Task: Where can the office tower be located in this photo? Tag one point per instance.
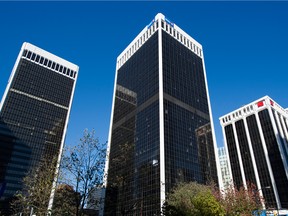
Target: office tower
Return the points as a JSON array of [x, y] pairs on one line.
[[34, 113], [161, 130], [224, 166], [256, 137]]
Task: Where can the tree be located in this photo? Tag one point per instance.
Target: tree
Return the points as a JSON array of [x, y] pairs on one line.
[[240, 201], [192, 199], [65, 201], [37, 186], [85, 165]]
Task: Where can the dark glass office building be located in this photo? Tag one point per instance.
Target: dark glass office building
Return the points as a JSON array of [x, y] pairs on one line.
[[256, 137], [34, 114], [161, 131]]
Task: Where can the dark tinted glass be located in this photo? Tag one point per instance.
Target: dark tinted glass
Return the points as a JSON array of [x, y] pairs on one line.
[[262, 168], [233, 155], [274, 157], [245, 152], [136, 123], [34, 113], [189, 149]]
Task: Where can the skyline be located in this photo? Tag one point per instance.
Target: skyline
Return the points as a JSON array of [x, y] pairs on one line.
[[242, 41]]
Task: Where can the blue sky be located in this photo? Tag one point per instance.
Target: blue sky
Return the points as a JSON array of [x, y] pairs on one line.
[[245, 47]]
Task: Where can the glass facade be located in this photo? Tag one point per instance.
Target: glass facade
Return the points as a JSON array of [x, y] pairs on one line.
[[34, 112], [133, 185], [274, 155], [189, 148], [245, 152], [233, 155], [261, 130], [261, 163]]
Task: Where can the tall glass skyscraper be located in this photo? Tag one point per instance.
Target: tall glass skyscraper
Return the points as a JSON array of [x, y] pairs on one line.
[[256, 139], [161, 130], [34, 114]]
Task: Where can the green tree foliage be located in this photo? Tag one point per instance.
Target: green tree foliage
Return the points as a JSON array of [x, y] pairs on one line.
[[84, 167], [65, 201], [192, 199], [37, 188]]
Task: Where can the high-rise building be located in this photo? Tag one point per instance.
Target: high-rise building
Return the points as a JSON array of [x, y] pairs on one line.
[[256, 137], [224, 166], [161, 130], [34, 114]]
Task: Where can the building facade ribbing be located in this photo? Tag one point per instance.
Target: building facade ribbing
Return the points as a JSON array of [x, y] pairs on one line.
[[256, 137], [161, 121], [34, 113], [224, 166]]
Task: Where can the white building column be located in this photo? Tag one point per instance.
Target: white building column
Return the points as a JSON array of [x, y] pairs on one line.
[[283, 121], [161, 114]]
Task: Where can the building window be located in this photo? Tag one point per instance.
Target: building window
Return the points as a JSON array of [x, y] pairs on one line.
[[33, 56], [29, 55], [24, 53], [37, 58]]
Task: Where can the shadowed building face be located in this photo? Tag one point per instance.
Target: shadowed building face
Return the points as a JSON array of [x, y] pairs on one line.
[[35, 110]]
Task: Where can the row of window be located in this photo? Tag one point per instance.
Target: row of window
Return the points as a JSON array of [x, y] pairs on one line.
[[141, 40], [181, 38], [150, 30], [42, 82], [48, 63], [238, 114]]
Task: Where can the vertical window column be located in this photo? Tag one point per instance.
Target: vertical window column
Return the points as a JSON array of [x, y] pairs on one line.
[[283, 121], [239, 155], [279, 137], [227, 156], [285, 135], [253, 160], [267, 160]]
